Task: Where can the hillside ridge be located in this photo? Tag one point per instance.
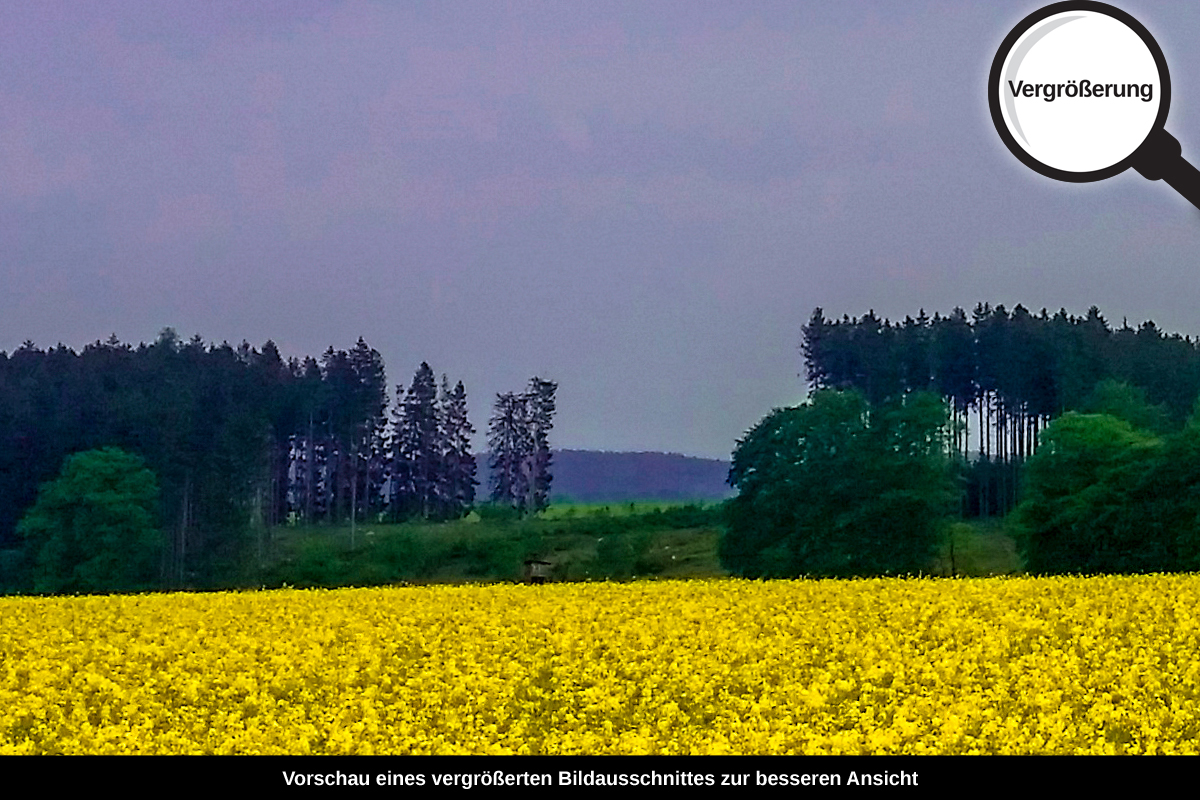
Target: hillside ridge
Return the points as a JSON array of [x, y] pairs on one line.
[[601, 476]]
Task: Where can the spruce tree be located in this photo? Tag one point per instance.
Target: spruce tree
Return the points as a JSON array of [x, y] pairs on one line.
[[540, 402], [398, 477], [458, 481], [370, 413], [816, 349], [418, 450], [509, 445], [518, 438]]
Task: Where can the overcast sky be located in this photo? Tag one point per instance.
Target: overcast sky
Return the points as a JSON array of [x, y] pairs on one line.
[[643, 201]]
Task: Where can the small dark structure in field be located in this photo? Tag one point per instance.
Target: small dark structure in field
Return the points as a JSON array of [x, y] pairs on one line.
[[537, 571]]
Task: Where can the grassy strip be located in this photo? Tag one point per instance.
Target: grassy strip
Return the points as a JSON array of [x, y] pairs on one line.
[[593, 543], [580, 542]]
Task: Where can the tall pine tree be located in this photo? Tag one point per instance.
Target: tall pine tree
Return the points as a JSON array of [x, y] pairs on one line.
[[417, 460], [518, 438], [540, 402], [508, 446], [457, 491], [370, 412]]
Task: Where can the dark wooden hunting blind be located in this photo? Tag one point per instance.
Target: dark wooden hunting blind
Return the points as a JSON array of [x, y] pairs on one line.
[[536, 570]]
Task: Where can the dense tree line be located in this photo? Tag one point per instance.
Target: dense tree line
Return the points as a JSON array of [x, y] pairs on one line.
[[238, 440], [519, 445], [1004, 374], [1102, 426], [841, 487], [205, 419], [431, 473]]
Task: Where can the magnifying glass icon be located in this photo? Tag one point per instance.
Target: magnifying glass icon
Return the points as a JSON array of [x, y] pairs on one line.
[[1079, 92]]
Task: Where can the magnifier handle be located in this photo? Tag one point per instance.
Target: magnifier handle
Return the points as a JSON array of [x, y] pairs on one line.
[[1161, 158]]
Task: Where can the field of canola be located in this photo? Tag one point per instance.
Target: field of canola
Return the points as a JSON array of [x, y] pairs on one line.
[[1019, 665]]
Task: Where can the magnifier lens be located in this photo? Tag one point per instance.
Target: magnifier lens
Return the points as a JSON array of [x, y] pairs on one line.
[[1079, 91]]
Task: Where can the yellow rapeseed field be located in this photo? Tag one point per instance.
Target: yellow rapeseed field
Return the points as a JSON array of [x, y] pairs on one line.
[[1022, 665]]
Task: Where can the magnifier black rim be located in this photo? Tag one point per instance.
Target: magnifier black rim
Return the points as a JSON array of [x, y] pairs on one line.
[[1011, 40]]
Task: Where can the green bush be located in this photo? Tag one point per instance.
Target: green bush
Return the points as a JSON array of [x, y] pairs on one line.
[[95, 528], [498, 558], [621, 556], [323, 560], [14, 577], [408, 556], [1104, 496], [491, 512], [318, 563], [1094, 500], [685, 516]]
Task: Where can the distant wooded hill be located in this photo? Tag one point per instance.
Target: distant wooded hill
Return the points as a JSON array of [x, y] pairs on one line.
[[588, 476]]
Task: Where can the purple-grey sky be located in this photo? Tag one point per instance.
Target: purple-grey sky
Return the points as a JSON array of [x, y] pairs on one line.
[[640, 200]]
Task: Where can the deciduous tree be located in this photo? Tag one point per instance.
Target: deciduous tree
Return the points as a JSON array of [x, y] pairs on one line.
[[94, 528], [837, 487]]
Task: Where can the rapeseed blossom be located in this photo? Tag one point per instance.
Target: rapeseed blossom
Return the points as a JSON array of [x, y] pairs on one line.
[[1017, 665]]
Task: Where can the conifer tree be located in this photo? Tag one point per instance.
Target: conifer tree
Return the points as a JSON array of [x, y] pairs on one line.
[[458, 481], [370, 413], [540, 401], [417, 448], [508, 446], [816, 349], [307, 452], [518, 438]]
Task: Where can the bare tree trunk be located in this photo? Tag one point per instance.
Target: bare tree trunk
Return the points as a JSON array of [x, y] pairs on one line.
[[354, 499], [260, 522], [310, 468], [184, 523]]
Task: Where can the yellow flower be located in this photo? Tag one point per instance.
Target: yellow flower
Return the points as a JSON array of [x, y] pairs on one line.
[[1055, 665]]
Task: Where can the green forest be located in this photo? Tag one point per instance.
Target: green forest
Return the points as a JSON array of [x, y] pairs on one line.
[[186, 465], [1085, 437], [177, 464]]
